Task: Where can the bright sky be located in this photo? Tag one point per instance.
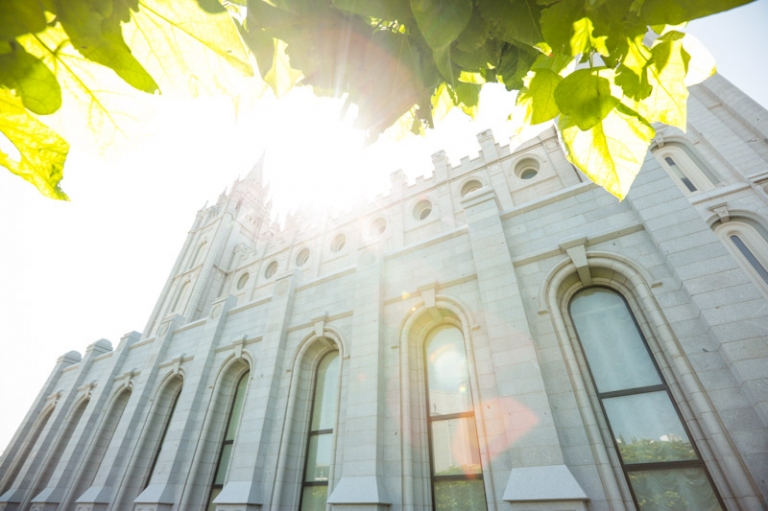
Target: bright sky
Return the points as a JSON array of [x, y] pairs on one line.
[[73, 273]]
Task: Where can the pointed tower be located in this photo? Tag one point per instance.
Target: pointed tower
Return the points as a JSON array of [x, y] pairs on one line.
[[239, 218]]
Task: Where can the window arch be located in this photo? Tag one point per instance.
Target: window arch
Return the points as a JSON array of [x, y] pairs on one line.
[[318, 458], [104, 437], [197, 258], [662, 466], [689, 171], [177, 301], [748, 243], [25, 451], [60, 447], [161, 421], [454, 452]]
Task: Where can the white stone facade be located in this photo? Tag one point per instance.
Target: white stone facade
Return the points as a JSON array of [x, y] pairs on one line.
[[499, 249]]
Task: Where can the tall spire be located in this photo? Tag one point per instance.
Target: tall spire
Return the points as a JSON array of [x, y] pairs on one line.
[[257, 172]]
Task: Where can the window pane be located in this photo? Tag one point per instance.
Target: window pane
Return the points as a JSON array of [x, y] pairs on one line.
[[614, 347], [448, 379], [750, 257], [454, 447], [681, 489], [326, 392], [318, 458], [648, 429], [313, 498], [221, 471], [237, 407], [459, 496], [214, 493]]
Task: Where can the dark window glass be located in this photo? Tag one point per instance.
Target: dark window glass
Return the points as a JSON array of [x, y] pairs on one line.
[[659, 459], [227, 444], [167, 423], [750, 257]]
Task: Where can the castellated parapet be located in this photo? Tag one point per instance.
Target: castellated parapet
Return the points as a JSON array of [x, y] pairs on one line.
[[502, 334]]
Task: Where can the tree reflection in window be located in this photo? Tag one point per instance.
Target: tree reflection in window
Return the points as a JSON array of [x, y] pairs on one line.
[[457, 474], [319, 447], [659, 459]]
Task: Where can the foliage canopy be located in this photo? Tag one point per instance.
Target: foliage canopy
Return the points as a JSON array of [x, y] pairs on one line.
[[606, 69]]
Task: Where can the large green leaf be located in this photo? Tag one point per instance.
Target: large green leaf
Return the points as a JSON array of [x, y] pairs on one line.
[[610, 153], [97, 34], [391, 10], [538, 97], [164, 36], [514, 20], [42, 150], [441, 21], [19, 17], [666, 71], [585, 97], [31, 79]]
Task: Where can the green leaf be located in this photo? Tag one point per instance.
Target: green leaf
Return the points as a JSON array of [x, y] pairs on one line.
[[99, 37], [441, 21], [632, 73], [664, 12], [263, 47], [610, 153], [514, 65], [468, 95], [539, 97], [514, 20], [31, 79], [19, 17], [666, 71], [390, 10], [281, 77], [584, 41], [42, 150], [557, 24], [585, 97], [442, 102]]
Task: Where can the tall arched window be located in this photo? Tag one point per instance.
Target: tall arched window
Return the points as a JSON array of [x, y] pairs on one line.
[[228, 442], [177, 302], [662, 465], [689, 172], [29, 443], [318, 459], [197, 259], [61, 445], [164, 411], [457, 474], [749, 246], [99, 449]]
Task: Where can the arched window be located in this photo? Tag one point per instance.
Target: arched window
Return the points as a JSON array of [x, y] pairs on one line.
[[29, 443], [228, 442], [319, 454], [689, 172], [99, 449], [457, 474], [177, 302], [197, 258], [61, 445], [662, 465], [164, 412], [749, 246]]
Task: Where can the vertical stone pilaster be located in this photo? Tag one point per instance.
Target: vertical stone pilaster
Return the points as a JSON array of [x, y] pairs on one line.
[[361, 487], [514, 405], [251, 477]]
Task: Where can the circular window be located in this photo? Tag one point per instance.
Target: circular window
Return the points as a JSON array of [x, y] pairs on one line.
[[470, 186], [338, 243], [378, 227], [302, 257], [242, 281], [527, 168], [271, 270], [422, 210]]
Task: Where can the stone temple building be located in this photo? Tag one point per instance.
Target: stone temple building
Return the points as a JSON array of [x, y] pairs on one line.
[[502, 335]]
